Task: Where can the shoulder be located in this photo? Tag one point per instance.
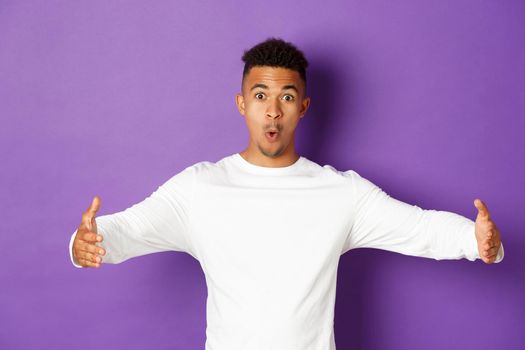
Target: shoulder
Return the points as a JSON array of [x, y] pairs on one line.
[[330, 170], [351, 177], [206, 171]]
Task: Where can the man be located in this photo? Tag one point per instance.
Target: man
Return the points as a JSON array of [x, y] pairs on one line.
[[268, 226]]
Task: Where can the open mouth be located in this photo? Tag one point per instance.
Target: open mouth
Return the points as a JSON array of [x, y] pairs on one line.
[[271, 135]]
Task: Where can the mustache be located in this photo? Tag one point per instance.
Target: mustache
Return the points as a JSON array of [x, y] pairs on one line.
[[277, 127]]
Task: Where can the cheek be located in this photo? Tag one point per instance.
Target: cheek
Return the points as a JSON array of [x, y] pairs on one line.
[[254, 114], [292, 109], [254, 109], [252, 124]]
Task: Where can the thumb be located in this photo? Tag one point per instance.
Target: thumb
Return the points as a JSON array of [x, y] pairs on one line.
[[95, 206], [91, 212], [483, 211]]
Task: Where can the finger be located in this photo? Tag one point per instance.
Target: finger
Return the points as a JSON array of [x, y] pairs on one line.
[[91, 248], [483, 211], [95, 206], [487, 244], [489, 253], [89, 215], [90, 257], [491, 228], [91, 237], [491, 258], [494, 237], [84, 257], [490, 239], [493, 251], [87, 263]]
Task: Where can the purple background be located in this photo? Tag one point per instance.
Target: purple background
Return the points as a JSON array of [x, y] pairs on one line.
[[424, 98]]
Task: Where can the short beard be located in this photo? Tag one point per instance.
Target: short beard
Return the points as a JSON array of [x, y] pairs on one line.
[[273, 154]]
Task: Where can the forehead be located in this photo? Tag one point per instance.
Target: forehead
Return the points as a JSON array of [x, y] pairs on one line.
[[273, 77]]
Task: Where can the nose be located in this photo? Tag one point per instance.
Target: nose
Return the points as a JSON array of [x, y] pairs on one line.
[[274, 109]]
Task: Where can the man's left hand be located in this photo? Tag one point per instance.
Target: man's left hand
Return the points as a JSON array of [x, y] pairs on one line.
[[487, 234]]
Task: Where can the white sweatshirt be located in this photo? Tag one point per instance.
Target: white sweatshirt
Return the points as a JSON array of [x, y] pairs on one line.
[[269, 242]]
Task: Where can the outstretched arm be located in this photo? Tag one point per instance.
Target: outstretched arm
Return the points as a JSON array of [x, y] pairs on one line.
[[158, 223], [383, 222]]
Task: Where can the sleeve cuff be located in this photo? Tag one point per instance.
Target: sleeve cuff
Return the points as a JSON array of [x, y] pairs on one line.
[[73, 261], [500, 255], [473, 252]]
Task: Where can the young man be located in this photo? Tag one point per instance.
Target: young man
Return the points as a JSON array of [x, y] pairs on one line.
[[268, 226]]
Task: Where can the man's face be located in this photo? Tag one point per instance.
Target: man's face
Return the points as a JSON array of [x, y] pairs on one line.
[[272, 102]]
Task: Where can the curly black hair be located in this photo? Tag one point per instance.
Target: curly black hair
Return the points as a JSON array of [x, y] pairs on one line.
[[275, 52]]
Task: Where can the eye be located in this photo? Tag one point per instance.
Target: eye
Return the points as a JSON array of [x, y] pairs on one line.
[[288, 97], [259, 94]]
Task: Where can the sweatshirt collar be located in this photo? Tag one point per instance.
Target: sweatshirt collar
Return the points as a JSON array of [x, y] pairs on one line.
[[257, 169]]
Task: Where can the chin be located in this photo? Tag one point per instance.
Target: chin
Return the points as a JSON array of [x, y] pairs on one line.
[[272, 153]]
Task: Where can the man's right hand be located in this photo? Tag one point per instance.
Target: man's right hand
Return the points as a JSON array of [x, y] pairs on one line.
[[85, 250]]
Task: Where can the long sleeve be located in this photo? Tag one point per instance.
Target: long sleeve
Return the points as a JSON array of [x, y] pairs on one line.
[[383, 222], [73, 260], [158, 223]]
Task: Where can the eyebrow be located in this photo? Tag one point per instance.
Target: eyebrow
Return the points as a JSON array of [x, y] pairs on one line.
[[264, 86]]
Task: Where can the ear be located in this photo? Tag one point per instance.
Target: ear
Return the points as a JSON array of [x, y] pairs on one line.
[[239, 100], [305, 105]]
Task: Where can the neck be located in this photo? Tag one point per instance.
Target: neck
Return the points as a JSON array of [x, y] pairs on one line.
[[260, 159]]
